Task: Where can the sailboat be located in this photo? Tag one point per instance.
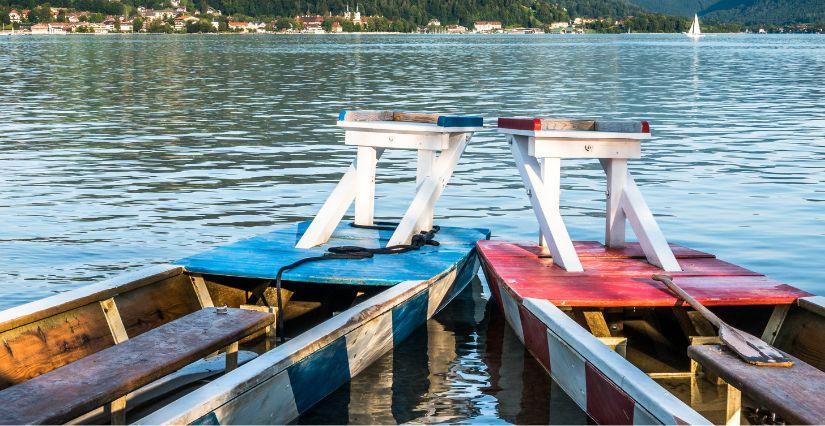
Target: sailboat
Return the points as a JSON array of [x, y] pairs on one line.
[[694, 32]]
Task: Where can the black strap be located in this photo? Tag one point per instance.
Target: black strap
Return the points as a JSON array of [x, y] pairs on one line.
[[340, 252]]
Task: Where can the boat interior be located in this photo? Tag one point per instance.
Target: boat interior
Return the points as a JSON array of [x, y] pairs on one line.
[[134, 313], [656, 340]]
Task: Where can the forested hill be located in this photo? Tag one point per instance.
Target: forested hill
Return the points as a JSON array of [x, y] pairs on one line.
[[525, 13], [751, 12]]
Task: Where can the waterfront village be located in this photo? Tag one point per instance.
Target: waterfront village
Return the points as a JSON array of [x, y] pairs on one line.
[[178, 19]]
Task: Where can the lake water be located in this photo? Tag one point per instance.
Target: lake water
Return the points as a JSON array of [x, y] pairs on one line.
[[121, 151]]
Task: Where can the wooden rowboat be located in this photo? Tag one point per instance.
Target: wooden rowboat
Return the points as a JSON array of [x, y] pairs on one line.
[[621, 345], [185, 343]]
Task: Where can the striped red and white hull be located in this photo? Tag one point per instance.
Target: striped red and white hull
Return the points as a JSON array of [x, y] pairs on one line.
[[601, 382]]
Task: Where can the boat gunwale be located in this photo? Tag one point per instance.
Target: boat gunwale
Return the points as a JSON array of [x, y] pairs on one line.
[[40, 309], [268, 365]]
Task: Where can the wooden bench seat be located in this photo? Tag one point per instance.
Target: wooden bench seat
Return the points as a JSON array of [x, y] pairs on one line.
[[88, 383], [795, 392]]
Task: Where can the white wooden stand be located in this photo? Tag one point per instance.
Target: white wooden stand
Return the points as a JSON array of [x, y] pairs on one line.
[[538, 155], [358, 183]]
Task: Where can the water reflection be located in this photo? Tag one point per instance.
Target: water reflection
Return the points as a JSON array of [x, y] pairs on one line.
[[465, 366]]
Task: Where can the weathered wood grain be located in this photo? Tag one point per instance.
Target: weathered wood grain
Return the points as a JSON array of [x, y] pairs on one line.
[[145, 308], [69, 391], [795, 393], [415, 117], [42, 346]]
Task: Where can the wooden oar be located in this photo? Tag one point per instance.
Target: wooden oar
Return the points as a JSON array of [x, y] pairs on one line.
[[749, 347]]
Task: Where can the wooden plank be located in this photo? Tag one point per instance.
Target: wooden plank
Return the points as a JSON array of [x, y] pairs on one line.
[[647, 231], [232, 356], [614, 230], [587, 148], [365, 116], [430, 189], [145, 308], [116, 411], [618, 344], [333, 209], [595, 322], [620, 282], [66, 301], [365, 185], [201, 291], [415, 117], [795, 393], [775, 323], [733, 407], [114, 321], [815, 304], [802, 335], [392, 139], [550, 220], [69, 391], [33, 349]]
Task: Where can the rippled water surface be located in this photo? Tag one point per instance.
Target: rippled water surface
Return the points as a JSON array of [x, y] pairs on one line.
[[122, 151]]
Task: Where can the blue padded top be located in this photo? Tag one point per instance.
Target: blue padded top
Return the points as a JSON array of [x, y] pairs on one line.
[[263, 255]]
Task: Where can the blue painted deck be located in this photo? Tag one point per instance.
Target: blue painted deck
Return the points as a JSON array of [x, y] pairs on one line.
[[263, 255]]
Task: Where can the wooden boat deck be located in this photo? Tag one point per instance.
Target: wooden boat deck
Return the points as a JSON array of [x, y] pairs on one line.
[[622, 278], [261, 257]]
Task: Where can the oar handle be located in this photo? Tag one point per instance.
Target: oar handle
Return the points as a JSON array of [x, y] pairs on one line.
[[710, 316]]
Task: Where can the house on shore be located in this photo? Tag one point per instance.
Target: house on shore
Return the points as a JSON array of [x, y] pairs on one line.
[[487, 26]]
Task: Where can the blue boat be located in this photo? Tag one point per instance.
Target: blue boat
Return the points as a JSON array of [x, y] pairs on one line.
[[272, 324]]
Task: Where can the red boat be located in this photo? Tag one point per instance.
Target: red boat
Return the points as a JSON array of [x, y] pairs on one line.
[[623, 345]]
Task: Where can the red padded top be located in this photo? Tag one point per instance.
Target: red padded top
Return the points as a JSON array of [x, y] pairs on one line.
[[619, 278]]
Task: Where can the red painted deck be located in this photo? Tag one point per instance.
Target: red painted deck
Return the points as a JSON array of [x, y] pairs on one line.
[[616, 278]]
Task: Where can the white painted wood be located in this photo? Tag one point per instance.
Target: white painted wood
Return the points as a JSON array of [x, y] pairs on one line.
[[589, 148], [815, 304], [653, 242], [368, 343], [430, 189], [438, 291], [365, 185], [271, 402], [548, 216], [42, 308], [574, 134], [661, 404], [642, 416], [403, 127], [780, 312], [511, 313], [429, 141], [551, 178], [615, 219], [567, 369], [333, 210], [114, 320], [425, 167], [201, 292]]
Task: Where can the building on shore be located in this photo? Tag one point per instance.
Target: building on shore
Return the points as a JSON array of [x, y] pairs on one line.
[[56, 28], [15, 16], [336, 27], [313, 24], [487, 26], [456, 29], [355, 17]]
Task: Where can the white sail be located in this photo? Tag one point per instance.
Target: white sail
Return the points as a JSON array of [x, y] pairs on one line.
[[694, 30]]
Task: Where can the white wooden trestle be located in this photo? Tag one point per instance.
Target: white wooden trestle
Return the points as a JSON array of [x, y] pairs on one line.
[[538, 155], [358, 184]]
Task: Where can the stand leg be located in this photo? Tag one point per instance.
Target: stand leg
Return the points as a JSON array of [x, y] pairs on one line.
[[425, 169], [547, 214], [430, 189], [551, 178], [365, 184], [333, 209], [614, 231]]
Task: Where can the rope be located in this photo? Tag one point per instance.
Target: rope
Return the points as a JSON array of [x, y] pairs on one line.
[[424, 238]]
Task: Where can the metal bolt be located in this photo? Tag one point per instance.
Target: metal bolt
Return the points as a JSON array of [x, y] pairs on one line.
[[588, 148], [223, 310]]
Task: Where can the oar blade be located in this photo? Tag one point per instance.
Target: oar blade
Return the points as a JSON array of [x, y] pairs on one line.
[[752, 349]]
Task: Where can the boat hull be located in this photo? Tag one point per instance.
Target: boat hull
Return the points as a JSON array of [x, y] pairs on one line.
[[279, 385]]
